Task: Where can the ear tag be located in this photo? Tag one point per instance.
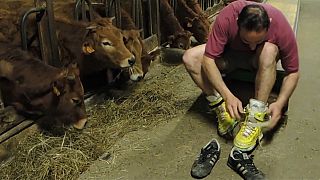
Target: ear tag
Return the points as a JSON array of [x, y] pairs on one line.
[[56, 91], [87, 49]]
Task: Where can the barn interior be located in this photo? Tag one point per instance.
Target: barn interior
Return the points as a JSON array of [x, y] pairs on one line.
[[132, 124]]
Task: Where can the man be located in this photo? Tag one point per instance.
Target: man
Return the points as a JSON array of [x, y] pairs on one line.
[[252, 36]]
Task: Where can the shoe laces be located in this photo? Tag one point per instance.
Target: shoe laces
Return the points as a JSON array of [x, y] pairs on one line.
[[247, 130], [204, 155], [249, 165]]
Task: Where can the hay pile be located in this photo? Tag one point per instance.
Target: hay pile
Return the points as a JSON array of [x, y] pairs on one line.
[[45, 157]]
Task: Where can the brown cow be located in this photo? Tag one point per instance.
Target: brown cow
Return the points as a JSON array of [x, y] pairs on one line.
[[36, 90], [134, 44], [196, 7], [95, 46], [170, 28], [192, 21]]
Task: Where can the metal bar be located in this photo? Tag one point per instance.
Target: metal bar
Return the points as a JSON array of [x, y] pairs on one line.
[[23, 26], [110, 5], [133, 10], [118, 12], [105, 7], [157, 23], [83, 11], [90, 10], [139, 13], [52, 36], [15, 130], [76, 9], [150, 27]]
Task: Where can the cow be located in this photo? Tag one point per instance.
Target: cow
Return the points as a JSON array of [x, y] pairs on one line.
[[196, 7], [95, 46], [53, 96], [133, 42], [171, 30], [192, 22]]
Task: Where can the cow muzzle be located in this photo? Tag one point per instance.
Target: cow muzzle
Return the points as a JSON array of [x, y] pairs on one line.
[[80, 124]]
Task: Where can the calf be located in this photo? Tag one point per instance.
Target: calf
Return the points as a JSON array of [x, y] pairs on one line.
[[192, 22], [170, 28], [196, 7], [134, 44], [52, 95], [95, 46]]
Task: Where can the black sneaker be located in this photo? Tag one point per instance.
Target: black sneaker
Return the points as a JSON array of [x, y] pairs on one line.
[[243, 164], [208, 157]]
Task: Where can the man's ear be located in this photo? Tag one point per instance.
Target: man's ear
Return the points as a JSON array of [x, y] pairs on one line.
[[270, 19], [87, 47]]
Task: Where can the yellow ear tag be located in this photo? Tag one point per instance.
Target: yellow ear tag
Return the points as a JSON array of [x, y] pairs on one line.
[[87, 49], [56, 91]]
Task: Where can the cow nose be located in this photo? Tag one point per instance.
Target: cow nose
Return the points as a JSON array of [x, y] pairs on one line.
[[139, 78], [80, 124], [131, 61]]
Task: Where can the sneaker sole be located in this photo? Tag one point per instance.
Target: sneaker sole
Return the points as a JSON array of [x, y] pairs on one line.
[[252, 147]]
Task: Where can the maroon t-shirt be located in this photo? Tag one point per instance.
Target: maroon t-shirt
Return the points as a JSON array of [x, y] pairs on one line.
[[225, 34]]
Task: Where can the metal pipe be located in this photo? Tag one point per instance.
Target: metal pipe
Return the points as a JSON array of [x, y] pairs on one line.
[[23, 26], [55, 61], [15, 130], [76, 9]]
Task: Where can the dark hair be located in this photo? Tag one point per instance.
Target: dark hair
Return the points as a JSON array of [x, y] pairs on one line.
[[253, 17]]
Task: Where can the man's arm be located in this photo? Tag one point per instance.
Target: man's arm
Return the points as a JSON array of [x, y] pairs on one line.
[[289, 84], [213, 74]]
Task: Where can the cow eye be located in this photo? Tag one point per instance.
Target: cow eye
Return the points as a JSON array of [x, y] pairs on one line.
[[106, 43], [76, 101]]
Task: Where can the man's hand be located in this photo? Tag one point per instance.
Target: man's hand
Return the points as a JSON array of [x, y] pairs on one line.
[[234, 106], [275, 112]]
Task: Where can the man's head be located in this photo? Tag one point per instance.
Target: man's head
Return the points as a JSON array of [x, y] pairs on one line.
[[253, 23]]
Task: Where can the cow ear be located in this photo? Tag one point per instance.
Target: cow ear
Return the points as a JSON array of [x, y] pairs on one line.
[[125, 33], [189, 22], [74, 68], [104, 21], [189, 33], [87, 48]]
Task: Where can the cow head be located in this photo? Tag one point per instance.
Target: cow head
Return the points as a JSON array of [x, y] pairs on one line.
[[105, 42], [69, 92], [199, 28], [180, 40], [53, 96], [133, 43]]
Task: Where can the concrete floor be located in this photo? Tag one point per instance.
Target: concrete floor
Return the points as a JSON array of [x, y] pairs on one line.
[[168, 151]]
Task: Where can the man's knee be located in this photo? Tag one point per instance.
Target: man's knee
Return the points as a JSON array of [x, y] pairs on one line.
[[192, 58], [269, 55], [187, 57]]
